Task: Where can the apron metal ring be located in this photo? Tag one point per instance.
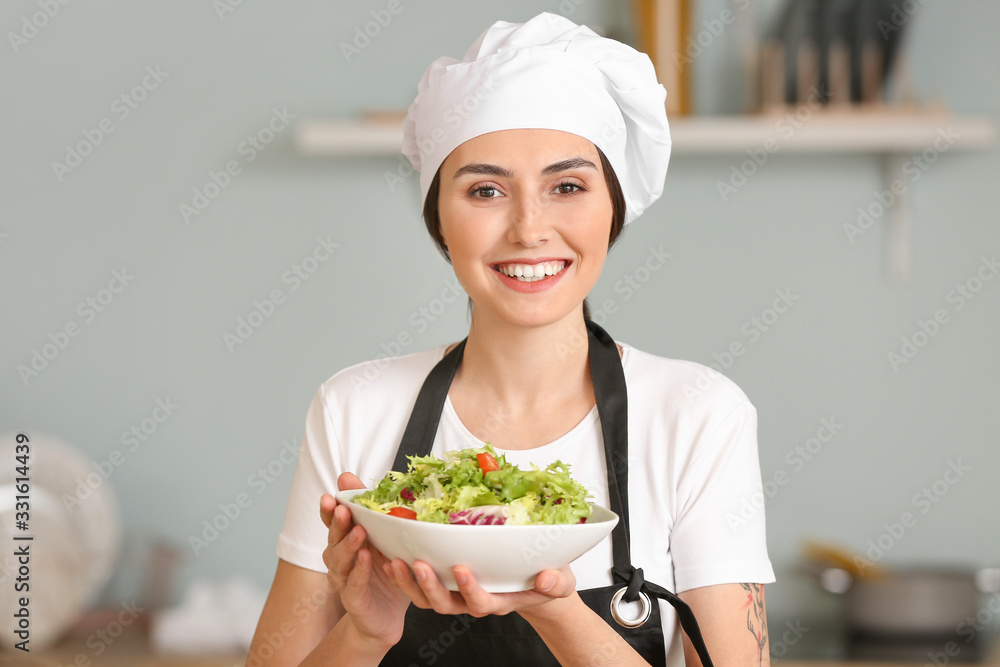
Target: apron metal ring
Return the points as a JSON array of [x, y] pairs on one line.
[[630, 623]]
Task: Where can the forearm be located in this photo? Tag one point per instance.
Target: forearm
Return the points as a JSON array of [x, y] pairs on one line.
[[344, 645], [733, 622], [578, 636]]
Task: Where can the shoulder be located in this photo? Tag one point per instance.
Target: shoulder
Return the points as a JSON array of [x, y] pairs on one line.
[[679, 386]]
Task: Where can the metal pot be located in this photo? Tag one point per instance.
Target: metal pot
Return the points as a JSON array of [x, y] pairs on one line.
[[910, 613]]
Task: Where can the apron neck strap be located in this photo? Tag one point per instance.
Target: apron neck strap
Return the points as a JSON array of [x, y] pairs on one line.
[[611, 395]]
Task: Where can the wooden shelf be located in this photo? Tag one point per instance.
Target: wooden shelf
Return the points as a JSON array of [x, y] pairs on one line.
[[809, 132]]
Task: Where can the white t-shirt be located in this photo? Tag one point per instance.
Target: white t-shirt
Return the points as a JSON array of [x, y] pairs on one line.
[[693, 468]]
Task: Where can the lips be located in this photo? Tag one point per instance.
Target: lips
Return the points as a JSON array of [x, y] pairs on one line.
[[506, 273], [528, 272]]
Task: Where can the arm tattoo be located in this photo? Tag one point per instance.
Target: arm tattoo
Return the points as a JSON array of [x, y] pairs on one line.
[[756, 620]]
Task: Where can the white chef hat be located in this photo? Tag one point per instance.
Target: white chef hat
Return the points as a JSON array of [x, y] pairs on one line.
[[547, 73]]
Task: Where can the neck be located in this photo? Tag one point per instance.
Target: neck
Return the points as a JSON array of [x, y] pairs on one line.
[[525, 369]]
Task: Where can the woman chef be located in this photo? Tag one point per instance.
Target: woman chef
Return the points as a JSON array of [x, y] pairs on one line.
[[534, 151]]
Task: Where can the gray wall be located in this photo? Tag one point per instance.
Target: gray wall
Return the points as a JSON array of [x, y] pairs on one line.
[[162, 336]]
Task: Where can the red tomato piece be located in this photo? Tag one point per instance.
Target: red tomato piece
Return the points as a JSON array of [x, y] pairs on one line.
[[403, 513], [487, 462]]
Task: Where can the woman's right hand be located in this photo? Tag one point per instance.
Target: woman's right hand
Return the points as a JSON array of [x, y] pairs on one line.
[[356, 570]]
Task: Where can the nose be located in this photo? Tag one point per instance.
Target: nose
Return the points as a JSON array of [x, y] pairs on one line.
[[527, 224]]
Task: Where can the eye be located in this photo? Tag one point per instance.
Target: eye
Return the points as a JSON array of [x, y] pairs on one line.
[[568, 188], [484, 192]]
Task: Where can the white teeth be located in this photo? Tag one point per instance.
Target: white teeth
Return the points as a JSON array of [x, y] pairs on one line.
[[532, 272]]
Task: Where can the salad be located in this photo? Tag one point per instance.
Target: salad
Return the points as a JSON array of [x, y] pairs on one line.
[[477, 487]]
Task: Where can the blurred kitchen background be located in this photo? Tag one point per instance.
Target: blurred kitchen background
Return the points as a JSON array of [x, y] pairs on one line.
[[204, 219]]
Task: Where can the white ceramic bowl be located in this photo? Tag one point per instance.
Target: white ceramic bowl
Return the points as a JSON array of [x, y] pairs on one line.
[[503, 559]]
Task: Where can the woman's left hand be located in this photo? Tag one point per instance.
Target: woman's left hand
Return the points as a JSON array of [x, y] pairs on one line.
[[429, 593]]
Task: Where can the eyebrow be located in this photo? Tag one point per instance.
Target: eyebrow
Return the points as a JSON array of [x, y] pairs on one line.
[[484, 170], [566, 165], [495, 170]]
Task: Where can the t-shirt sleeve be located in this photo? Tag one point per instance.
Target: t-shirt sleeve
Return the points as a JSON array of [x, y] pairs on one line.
[[303, 536], [719, 535]]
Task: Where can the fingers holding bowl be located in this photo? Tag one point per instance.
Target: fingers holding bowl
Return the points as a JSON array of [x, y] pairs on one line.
[[478, 601], [426, 590], [345, 540], [556, 583], [327, 504], [336, 518], [422, 584], [443, 600]]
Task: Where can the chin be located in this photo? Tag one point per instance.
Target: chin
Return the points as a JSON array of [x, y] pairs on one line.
[[532, 318]]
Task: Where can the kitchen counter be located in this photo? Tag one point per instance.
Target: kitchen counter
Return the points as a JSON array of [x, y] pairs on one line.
[[135, 652], [132, 650]]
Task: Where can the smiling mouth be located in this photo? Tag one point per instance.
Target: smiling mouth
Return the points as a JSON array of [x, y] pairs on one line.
[[527, 273]]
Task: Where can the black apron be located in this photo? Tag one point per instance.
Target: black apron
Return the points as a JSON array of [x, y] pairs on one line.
[[462, 640]]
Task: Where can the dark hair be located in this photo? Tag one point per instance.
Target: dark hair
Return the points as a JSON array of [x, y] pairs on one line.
[[433, 220]]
